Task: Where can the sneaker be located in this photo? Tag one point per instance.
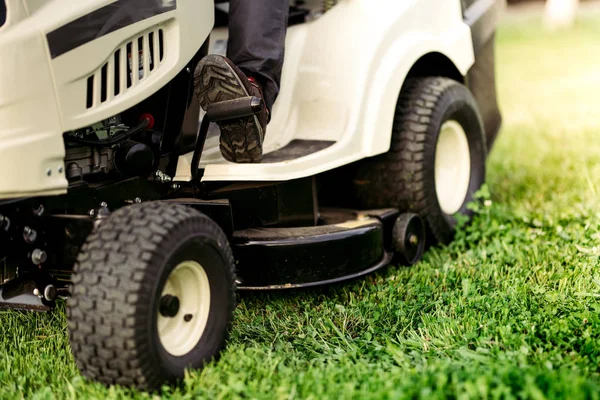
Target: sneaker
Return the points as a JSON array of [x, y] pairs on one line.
[[218, 79]]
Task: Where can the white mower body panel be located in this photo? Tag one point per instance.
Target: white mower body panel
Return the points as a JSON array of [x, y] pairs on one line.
[[46, 65], [341, 80]]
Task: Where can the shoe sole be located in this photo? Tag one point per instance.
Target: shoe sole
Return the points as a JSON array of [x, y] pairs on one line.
[[241, 139]]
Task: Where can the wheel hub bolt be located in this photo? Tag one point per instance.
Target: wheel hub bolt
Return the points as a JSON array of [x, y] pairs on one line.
[[188, 317], [169, 306], [413, 240]]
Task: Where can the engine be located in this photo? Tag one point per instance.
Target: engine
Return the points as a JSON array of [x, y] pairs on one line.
[[110, 147], [106, 151]]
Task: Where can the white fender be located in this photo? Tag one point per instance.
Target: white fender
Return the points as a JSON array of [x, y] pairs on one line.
[[341, 80], [401, 56]]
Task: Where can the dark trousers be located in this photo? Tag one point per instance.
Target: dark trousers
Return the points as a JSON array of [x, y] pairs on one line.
[[257, 30]]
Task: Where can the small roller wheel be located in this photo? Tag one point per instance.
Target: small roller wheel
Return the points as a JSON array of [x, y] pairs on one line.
[[409, 237], [153, 295]]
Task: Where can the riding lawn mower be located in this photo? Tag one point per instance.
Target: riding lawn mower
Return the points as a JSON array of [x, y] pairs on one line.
[[115, 197]]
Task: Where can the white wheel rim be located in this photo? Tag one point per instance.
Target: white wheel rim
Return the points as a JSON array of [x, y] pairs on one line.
[[452, 167], [189, 283]]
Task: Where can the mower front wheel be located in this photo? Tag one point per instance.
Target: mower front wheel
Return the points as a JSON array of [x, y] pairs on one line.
[[153, 295]]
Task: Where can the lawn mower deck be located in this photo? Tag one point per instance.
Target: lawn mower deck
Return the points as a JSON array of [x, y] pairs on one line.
[[280, 237]]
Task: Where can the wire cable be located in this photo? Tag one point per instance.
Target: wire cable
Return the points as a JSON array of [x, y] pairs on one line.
[[113, 140]]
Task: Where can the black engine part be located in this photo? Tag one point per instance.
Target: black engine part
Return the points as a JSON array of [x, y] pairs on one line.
[[134, 159]]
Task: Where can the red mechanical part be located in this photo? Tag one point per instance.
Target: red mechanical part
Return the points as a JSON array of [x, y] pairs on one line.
[[150, 119]]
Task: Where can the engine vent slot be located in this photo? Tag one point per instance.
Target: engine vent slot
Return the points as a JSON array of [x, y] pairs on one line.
[[2, 12], [152, 52], [129, 55], [130, 65], [116, 64], [90, 92], [161, 45]]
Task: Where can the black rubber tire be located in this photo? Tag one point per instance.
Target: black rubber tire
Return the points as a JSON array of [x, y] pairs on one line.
[[117, 282], [404, 177]]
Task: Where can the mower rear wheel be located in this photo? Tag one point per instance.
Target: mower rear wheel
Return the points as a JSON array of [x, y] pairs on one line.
[[436, 161], [153, 295]]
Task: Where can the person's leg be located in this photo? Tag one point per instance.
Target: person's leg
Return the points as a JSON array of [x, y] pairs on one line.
[[257, 30]]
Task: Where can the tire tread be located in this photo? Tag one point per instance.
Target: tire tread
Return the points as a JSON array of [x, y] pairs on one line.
[[111, 282], [397, 178]]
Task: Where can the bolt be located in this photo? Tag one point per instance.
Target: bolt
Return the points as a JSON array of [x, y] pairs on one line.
[[175, 186], [4, 223], [169, 306], [49, 172], [102, 212], [103, 204], [39, 211], [50, 293], [29, 234], [413, 240], [36, 292], [138, 200], [188, 317], [38, 257], [188, 70], [60, 169], [162, 177]]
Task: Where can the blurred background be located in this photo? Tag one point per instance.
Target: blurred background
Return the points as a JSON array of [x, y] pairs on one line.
[[557, 13], [547, 157]]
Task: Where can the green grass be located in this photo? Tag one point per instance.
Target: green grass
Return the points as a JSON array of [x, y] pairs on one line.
[[510, 310]]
